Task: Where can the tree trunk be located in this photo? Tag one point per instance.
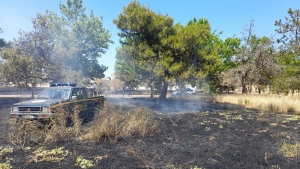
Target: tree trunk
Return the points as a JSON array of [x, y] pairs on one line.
[[151, 92], [244, 87], [164, 91]]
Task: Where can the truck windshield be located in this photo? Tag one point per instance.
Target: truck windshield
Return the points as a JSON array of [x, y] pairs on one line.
[[54, 93]]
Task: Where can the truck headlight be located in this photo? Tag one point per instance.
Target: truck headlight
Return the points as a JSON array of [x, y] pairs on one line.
[[46, 109], [14, 109]]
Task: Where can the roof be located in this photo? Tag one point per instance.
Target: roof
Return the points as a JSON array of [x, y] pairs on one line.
[[63, 84]]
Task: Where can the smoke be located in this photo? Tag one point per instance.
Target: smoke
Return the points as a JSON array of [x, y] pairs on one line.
[[169, 106]]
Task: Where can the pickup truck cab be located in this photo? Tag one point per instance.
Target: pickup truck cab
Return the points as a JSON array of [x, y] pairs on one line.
[[58, 94]]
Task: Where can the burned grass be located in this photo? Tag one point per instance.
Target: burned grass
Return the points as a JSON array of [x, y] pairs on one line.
[[147, 134]]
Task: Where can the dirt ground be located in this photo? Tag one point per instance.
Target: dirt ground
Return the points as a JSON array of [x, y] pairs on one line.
[[192, 135]]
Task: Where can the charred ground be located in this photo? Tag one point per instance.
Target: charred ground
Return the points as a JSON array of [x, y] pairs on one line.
[[193, 134]]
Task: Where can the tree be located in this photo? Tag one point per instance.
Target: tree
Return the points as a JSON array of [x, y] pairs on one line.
[[255, 61], [290, 31], [31, 57], [143, 29], [126, 68], [193, 52], [289, 52], [88, 37], [217, 76], [57, 45], [167, 52], [40, 45], [19, 69]]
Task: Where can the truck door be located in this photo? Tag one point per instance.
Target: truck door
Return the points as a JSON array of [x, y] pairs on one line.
[[78, 99]]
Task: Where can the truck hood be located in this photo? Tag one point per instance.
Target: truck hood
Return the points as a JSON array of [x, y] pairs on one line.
[[39, 102]]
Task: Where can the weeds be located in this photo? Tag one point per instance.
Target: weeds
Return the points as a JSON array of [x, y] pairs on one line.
[[23, 132], [61, 126], [3, 152], [6, 165], [289, 148], [84, 163], [117, 121], [54, 155]]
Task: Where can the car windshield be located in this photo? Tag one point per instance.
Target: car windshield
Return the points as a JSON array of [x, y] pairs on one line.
[[54, 93]]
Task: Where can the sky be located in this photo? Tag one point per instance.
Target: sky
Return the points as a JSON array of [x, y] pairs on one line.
[[228, 16]]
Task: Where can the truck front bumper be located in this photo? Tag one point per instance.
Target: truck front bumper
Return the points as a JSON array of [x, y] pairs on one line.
[[31, 115]]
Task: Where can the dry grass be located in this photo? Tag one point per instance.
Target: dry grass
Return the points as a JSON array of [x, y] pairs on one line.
[[110, 121], [121, 121], [23, 132], [265, 103]]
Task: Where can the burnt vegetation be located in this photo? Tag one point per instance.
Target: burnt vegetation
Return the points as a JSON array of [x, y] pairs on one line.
[[228, 123]]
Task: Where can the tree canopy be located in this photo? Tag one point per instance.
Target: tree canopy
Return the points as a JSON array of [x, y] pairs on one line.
[[167, 52], [288, 52], [72, 43]]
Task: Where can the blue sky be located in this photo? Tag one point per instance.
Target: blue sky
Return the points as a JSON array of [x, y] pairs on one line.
[[228, 16]]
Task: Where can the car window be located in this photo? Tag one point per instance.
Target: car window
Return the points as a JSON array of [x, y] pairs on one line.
[[83, 93], [54, 93], [78, 94]]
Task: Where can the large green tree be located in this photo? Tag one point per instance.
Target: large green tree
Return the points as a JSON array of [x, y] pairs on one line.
[[87, 36], [165, 51], [144, 30]]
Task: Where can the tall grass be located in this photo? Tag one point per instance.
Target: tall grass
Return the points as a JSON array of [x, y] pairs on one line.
[[264, 103], [120, 121], [110, 122], [23, 132]]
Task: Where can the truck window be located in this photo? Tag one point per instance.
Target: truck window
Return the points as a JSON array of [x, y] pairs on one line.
[[79, 94], [83, 93], [54, 93]]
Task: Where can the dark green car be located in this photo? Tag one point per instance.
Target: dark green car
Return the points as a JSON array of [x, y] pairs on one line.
[[57, 95]]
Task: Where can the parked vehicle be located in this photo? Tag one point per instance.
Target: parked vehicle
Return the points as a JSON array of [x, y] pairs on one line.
[[184, 92], [55, 96]]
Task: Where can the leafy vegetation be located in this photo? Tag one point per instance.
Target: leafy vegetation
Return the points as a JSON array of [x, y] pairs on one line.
[[72, 42], [155, 52]]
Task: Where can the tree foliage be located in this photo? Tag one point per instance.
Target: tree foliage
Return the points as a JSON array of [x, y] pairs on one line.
[[35, 50], [144, 30], [72, 43], [255, 61], [165, 52], [88, 37], [20, 69], [289, 52]]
